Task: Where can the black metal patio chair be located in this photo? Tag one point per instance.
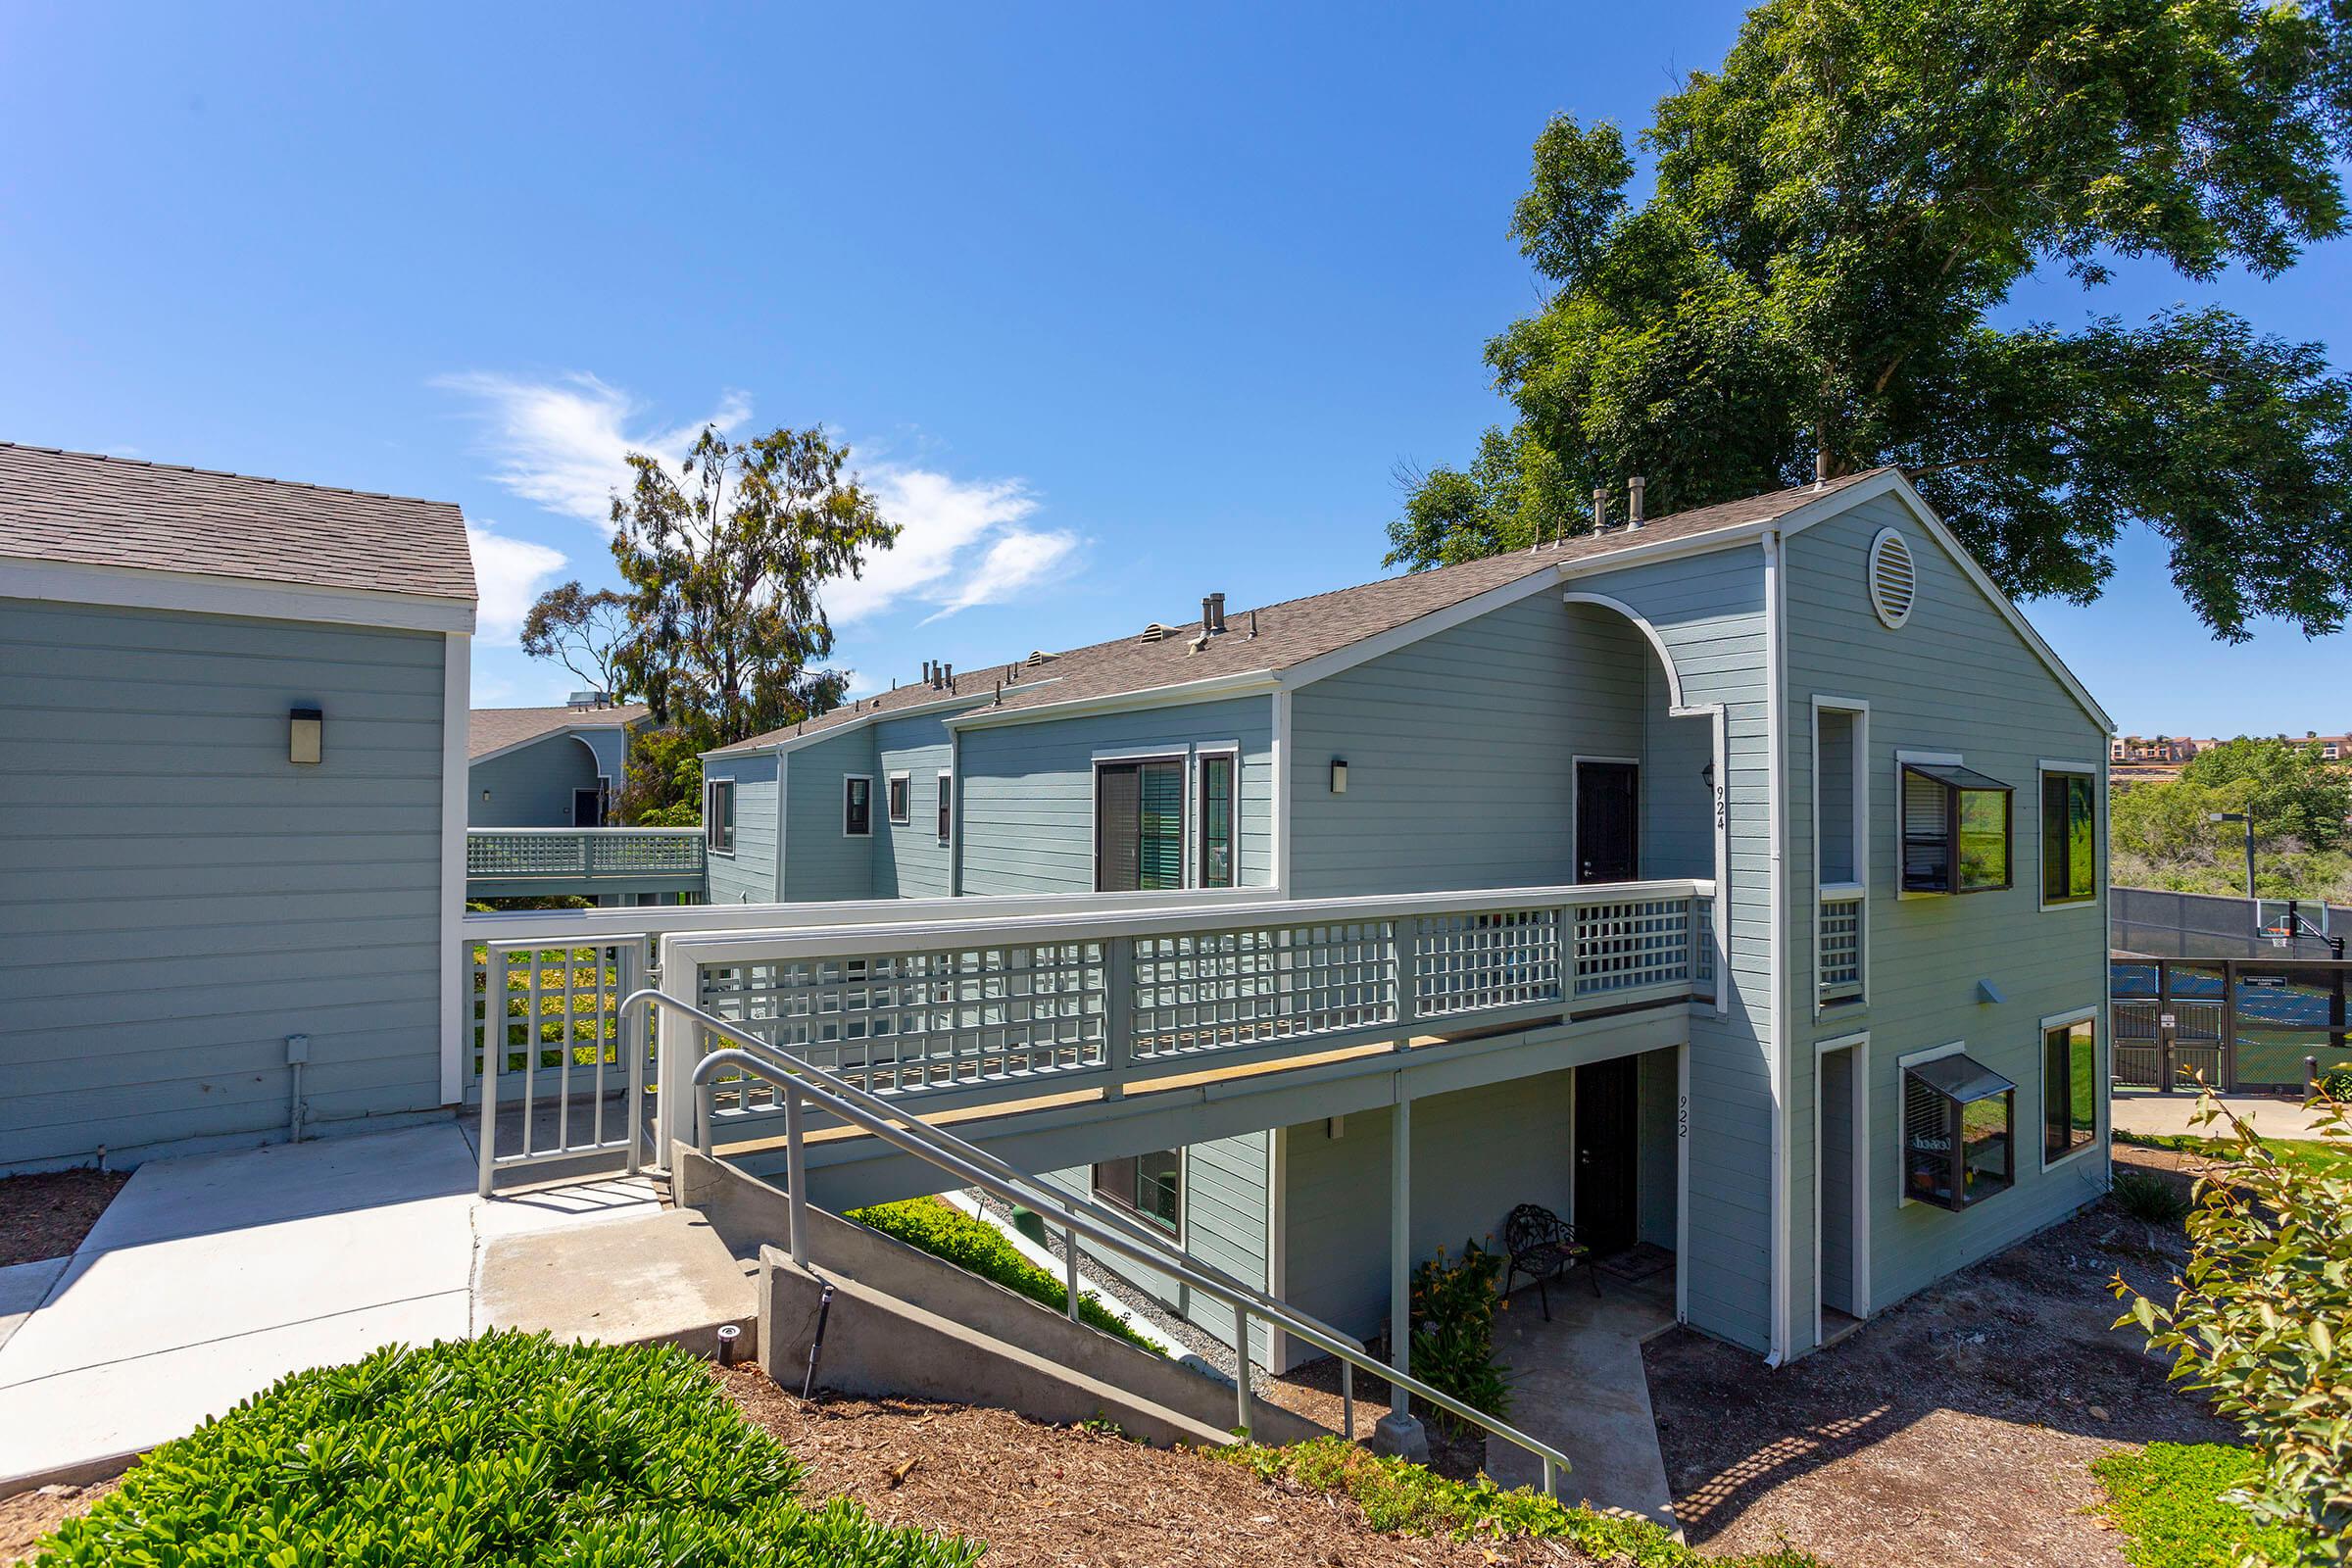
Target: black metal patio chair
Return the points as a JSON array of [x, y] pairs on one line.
[[1542, 1248]]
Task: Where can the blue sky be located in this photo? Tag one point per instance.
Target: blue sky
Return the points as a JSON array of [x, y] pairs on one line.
[[1116, 307]]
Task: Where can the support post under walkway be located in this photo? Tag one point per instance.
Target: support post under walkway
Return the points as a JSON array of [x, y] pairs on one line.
[[1398, 1432]]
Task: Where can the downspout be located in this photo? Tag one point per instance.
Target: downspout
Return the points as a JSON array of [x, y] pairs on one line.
[[1776, 1052]]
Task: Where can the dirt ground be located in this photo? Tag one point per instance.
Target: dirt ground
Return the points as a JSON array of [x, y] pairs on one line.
[[47, 1214], [30, 1515], [1958, 1427], [1055, 1495]]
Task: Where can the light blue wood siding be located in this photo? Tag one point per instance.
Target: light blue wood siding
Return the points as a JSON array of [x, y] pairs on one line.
[[176, 897], [909, 859], [1956, 678], [1225, 1209], [1028, 791], [530, 786], [611, 749], [1709, 612], [749, 875], [822, 862]]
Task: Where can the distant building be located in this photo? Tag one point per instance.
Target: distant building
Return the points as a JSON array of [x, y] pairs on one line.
[[2171, 751]]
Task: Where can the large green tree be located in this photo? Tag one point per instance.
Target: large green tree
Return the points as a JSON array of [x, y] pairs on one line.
[[1837, 213], [723, 563]]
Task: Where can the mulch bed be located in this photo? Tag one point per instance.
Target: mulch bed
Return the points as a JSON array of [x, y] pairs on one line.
[[1957, 1426], [30, 1515], [1058, 1495], [47, 1214]]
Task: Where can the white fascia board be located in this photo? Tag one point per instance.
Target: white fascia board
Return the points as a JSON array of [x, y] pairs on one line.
[[1893, 483], [793, 743], [196, 593], [1248, 683]]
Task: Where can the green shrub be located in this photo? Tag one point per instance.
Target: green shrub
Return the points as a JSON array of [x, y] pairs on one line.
[[1401, 1497], [2267, 1290], [2336, 1082], [976, 1245], [1453, 1332], [2169, 1501], [2146, 1195], [510, 1448]]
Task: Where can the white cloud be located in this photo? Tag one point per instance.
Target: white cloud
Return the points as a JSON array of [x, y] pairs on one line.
[[560, 444], [508, 574]]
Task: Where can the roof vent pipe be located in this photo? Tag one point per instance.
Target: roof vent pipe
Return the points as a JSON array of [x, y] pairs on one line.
[[1633, 501], [1209, 618], [946, 676], [1600, 510], [1216, 607]]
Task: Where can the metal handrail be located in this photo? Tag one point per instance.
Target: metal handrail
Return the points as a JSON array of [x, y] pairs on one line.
[[974, 1168]]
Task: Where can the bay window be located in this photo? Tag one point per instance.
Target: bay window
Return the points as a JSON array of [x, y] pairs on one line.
[[1956, 834], [1959, 1132]]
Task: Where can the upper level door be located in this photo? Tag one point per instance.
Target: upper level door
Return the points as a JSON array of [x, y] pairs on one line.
[[1608, 832], [587, 809]]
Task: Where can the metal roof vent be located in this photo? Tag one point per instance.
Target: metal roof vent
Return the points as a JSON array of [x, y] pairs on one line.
[[1894, 579], [1038, 655], [1156, 633]]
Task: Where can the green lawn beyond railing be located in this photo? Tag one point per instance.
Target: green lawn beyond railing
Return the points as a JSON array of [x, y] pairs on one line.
[[578, 1020]]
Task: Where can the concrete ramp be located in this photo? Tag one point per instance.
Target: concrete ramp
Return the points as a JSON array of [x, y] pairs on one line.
[[665, 1275]]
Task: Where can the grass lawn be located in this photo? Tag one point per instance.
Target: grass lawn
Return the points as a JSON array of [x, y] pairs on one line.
[[2311, 1155], [2167, 1501]]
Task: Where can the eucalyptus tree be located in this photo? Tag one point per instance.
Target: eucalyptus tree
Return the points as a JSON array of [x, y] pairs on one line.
[[1838, 214]]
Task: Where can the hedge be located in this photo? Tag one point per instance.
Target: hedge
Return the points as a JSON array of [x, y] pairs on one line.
[[507, 1449], [974, 1244]]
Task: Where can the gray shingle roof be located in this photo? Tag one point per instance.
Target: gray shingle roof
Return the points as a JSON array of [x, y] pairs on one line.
[[1297, 630], [87, 509], [494, 729]]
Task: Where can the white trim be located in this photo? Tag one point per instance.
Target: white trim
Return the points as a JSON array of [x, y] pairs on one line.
[[899, 776], [1893, 483], [847, 780], [1575, 763], [1681, 1175], [783, 809], [793, 743], [2042, 770], [710, 787], [457, 964], [205, 594], [1214, 688], [1879, 542], [2091, 1015], [1776, 1049], [945, 798], [1338, 660], [1902, 1116], [1181, 757], [1278, 1241], [1674, 678], [1858, 709], [1858, 1178], [1280, 746], [578, 732]]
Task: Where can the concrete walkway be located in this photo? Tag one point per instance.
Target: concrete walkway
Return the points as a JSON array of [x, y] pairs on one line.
[[1578, 1383], [2145, 1111], [207, 1279]]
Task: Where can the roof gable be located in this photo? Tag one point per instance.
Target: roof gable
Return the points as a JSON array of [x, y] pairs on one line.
[[494, 731]]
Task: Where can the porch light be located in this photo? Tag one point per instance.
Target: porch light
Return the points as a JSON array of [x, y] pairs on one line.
[[1339, 776], [1959, 1125], [304, 726]]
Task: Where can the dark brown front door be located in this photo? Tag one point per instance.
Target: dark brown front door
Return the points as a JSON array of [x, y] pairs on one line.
[[1608, 834], [1605, 1144]]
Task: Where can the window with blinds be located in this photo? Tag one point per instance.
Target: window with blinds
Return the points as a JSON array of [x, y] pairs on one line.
[[2070, 838], [1216, 820], [1139, 826]]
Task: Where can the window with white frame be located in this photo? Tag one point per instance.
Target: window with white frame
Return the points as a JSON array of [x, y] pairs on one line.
[[1959, 1131], [900, 799], [1218, 772], [2070, 836], [946, 804], [2070, 1088], [1149, 1187], [857, 806], [718, 815], [1956, 829], [1138, 825]]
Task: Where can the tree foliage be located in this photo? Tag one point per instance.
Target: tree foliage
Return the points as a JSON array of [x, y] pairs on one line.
[[584, 632], [723, 563], [664, 784], [2260, 1324], [1836, 212], [2292, 789]]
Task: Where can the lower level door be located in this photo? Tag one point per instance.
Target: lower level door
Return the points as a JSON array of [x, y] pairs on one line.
[[1609, 837], [587, 809], [1606, 1142]]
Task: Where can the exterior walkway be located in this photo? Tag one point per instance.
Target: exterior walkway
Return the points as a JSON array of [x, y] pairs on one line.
[[1577, 1383], [208, 1277], [2145, 1111]]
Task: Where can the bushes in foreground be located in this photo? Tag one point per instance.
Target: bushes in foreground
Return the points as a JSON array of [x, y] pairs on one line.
[[507, 1449], [1401, 1497], [976, 1245]]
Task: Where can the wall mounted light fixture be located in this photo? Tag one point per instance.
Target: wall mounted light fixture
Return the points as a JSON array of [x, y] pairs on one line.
[[1339, 776], [303, 727]]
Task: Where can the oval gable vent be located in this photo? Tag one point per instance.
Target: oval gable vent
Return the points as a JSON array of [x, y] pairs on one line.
[[1893, 580]]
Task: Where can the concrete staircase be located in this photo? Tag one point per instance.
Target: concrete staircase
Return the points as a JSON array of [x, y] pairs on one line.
[[905, 1323]]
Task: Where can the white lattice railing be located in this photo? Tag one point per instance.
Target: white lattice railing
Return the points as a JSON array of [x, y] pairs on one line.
[[1103, 994], [1838, 942], [583, 854]]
